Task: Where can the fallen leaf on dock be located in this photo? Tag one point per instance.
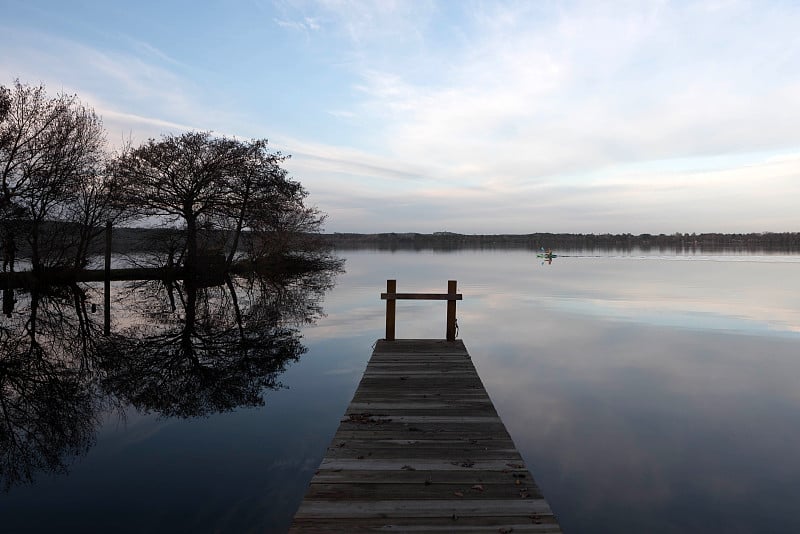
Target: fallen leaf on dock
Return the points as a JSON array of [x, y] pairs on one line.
[[478, 487], [458, 494]]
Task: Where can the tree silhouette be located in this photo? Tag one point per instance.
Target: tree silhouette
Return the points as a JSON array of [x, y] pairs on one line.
[[214, 188], [53, 186]]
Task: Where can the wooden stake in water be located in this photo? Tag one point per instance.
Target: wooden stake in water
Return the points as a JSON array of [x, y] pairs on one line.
[[391, 289], [107, 284], [451, 310]]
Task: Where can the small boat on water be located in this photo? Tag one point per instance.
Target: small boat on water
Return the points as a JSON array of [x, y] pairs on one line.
[[546, 255]]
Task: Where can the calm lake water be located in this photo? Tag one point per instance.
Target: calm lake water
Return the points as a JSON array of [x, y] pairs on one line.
[[647, 392]]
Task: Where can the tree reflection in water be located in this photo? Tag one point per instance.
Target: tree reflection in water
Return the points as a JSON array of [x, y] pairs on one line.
[[49, 404], [181, 350], [220, 349]]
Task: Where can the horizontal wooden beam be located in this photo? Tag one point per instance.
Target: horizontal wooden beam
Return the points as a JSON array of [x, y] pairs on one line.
[[421, 296]]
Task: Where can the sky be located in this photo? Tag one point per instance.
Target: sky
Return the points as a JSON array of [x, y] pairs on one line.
[[477, 117]]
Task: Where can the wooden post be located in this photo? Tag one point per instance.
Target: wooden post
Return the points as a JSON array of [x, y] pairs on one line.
[[8, 302], [391, 296], [107, 284], [451, 311], [391, 288]]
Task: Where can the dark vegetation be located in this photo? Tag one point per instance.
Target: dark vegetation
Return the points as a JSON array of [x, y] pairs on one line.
[[215, 289], [59, 186]]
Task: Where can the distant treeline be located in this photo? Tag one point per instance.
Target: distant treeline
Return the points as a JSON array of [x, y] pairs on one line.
[[768, 241], [131, 240]]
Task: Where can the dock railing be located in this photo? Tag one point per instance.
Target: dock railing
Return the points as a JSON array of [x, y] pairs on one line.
[[392, 296]]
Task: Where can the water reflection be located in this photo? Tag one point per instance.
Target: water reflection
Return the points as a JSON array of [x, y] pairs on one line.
[[49, 402], [628, 424], [180, 349], [635, 429]]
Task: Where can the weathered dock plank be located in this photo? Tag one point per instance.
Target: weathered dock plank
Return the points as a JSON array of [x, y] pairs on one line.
[[422, 449]]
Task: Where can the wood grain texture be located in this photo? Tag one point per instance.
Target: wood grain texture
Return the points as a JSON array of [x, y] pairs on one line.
[[422, 449]]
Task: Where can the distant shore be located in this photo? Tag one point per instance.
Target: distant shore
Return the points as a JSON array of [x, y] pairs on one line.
[[771, 242], [128, 239]]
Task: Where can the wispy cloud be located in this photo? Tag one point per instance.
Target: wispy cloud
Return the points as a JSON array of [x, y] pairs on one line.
[[306, 24], [342, 114], [365, 21], [486, 116], [593, 87], [115, 83], [105, 75]]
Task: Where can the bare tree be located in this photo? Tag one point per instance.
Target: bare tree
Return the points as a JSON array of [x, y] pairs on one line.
[[50, 149], [181, 179], [93, 205], [276, 213], [214, 188]]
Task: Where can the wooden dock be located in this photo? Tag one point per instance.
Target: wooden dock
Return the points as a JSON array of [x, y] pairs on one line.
[[422, 449]]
